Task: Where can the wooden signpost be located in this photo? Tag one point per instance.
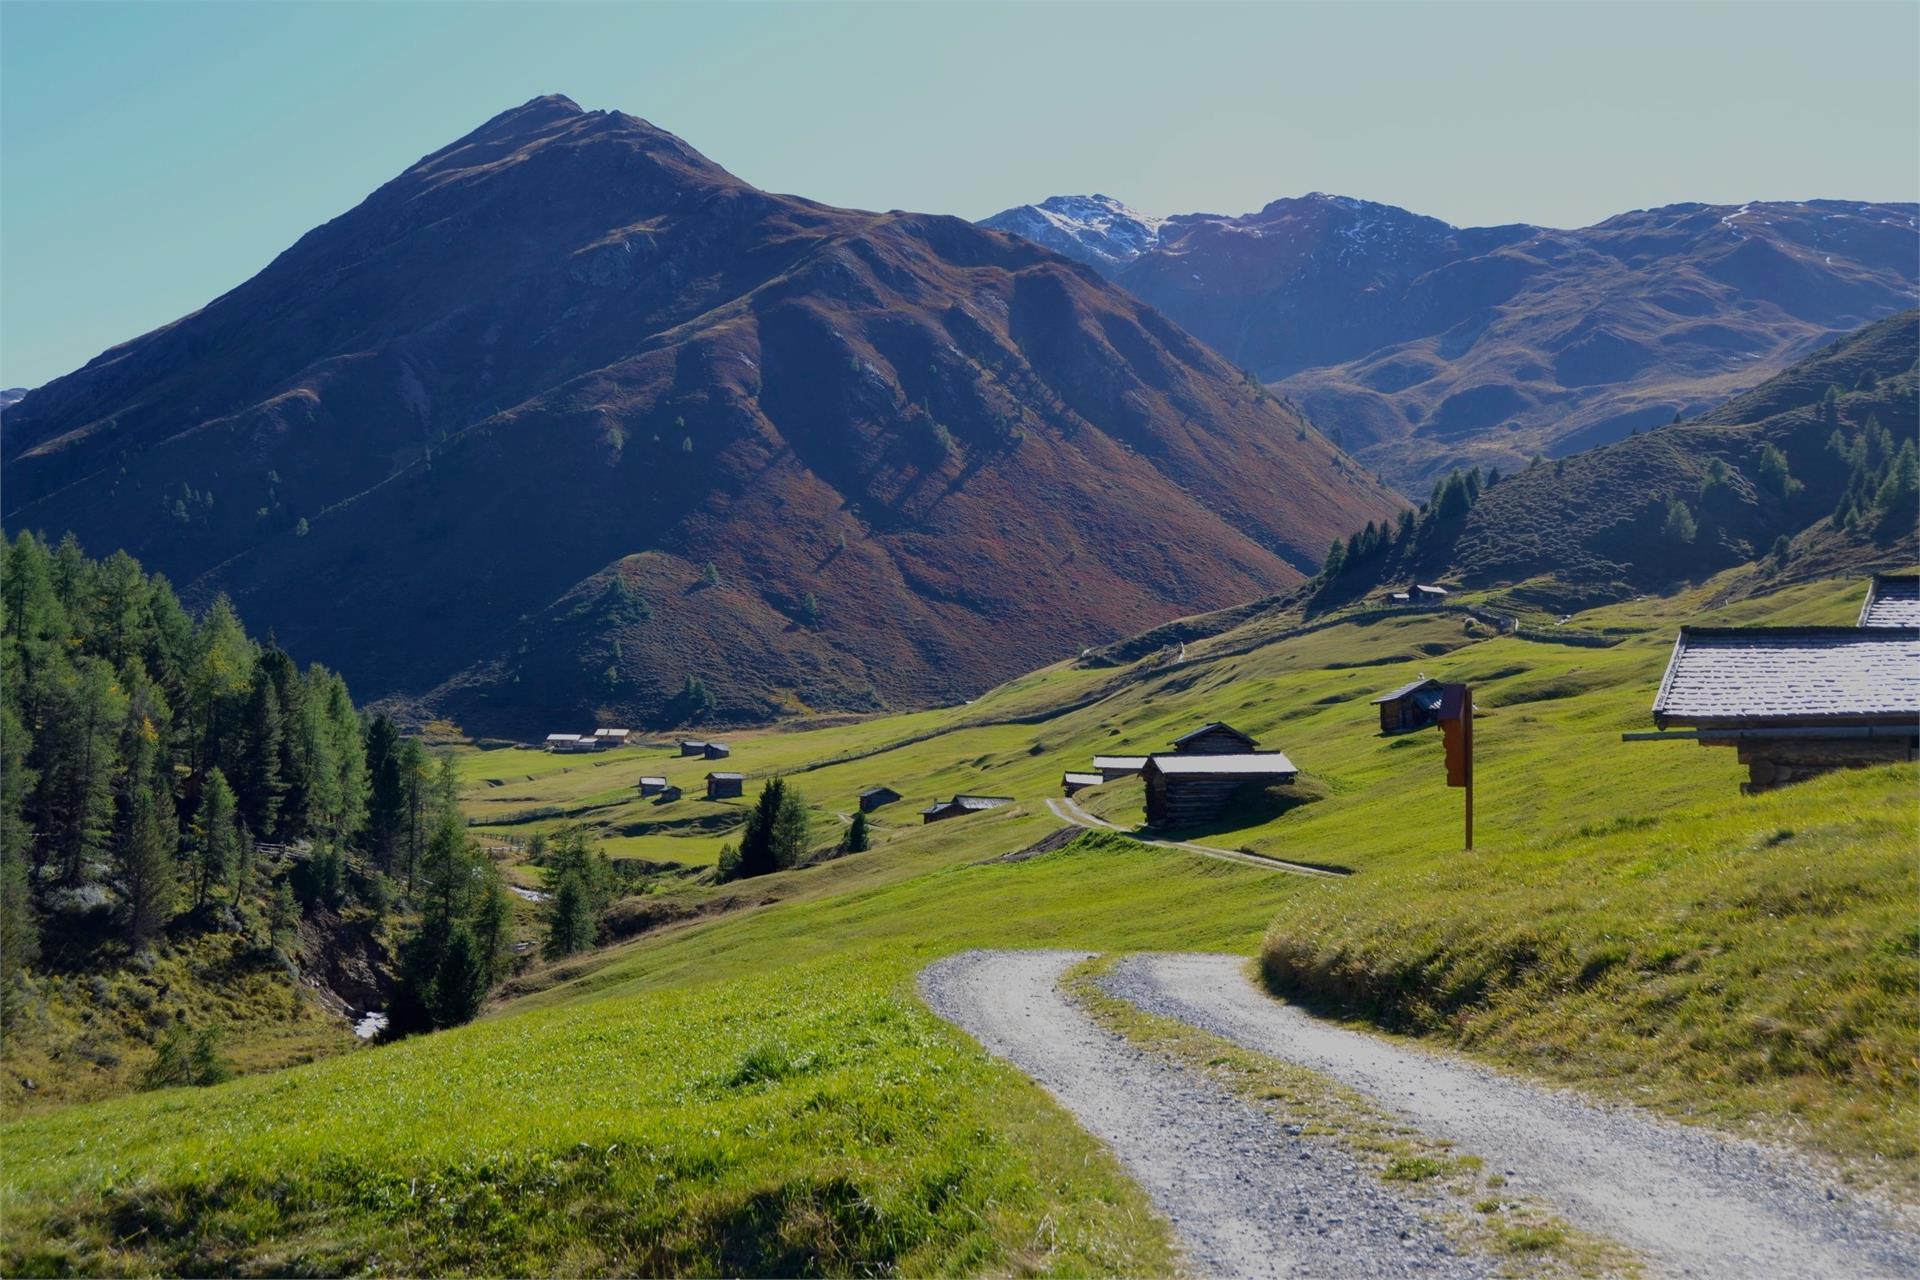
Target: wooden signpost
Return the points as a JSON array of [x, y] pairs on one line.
[[1456, 731]]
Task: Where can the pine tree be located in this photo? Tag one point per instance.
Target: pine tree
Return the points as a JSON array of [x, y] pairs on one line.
[[386, 792], [218, 681], [148, 836], [76, 761], [493, 927], [460, 982], [1679, 527], [1336, 563], [216, 840], [259, 759], [858, 841], [19, 930], [570, 924]]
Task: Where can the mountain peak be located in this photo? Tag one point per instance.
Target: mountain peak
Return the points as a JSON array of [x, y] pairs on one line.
[[1097, 229]]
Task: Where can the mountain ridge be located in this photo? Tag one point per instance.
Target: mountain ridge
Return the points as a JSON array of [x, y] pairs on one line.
[[567, 364]]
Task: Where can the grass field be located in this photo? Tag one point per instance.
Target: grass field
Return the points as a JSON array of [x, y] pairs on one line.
[[755, 1087]]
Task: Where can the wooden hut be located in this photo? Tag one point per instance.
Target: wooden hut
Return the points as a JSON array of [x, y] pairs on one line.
[[1214, 739], [1796, 701], [873, 797], [1072, 783], [1186, 789], [1411, 706], [652, 785], [668, 794], [716, 751], [692, 747], [721, 786], [569, 742], [941, 810], [606, 739]]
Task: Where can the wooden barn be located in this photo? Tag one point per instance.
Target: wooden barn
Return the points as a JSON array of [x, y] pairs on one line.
[[941, 810], [1795, 701], [873, 797], [1214, 739], [1070, 782], [1111, 767], [692, 747], [716, 750], [1183, 790], [721, 786], [668, 794], [1411, 706], [606, 739], [650, 785], [569, 742]]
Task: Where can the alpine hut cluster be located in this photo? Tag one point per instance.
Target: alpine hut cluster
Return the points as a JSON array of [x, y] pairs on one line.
[[1795, 701], [579, 743], [1195, 780]]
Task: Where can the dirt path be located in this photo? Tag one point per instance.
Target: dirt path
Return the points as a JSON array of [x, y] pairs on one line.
[[1067, 811], [1245, 1198], [1693, 1202]]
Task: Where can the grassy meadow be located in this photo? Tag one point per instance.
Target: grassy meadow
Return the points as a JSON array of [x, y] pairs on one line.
[[752, 1085]]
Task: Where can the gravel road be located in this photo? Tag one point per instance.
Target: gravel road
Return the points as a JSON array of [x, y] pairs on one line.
[[1067, 810], [1693, 1202], [1245, 1197]]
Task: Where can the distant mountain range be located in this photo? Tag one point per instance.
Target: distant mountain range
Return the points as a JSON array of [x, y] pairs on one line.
[[567, 422], [1425, 346]]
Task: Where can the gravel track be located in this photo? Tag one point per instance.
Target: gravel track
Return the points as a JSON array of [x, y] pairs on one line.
[[1693, 1202], [1067, 810], [1245, 1197]]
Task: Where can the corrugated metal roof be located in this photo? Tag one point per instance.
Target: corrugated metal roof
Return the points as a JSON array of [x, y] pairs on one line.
[[1791, 675], [563, 737], [1119, 762], [649, 778], [1406, 689], [1253, 764], [1893, 600]]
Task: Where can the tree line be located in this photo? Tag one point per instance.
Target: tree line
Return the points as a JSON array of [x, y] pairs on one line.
[[146, 756]]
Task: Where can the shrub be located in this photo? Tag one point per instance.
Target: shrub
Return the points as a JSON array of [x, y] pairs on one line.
[[185, 1057]]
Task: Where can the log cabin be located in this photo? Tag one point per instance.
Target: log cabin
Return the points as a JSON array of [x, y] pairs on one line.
[[941, 810], [722, 786], [1071, 783], [1409, 707], [1183, 790], [873, 797]]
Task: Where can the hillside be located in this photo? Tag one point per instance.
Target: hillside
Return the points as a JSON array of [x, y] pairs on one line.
[[1814, 472], [755, 1086], [1427, 346], [566, 421]]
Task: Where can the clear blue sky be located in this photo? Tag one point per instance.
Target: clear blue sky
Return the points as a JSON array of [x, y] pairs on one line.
[[153, 156]]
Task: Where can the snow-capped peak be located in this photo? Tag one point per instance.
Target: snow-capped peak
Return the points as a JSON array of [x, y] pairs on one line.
[[1095, 229]]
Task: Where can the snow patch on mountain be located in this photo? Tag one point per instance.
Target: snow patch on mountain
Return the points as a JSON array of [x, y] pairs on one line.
[[1097, 229]]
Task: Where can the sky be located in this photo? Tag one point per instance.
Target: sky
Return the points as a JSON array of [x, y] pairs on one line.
[[154, 155]]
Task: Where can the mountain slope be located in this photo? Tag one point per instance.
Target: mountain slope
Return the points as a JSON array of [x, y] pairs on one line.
[[567, 420], [1599, 525], [1427, 346]]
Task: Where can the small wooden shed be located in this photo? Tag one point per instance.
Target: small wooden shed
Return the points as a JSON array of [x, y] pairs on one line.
[[650, 785], [1184, 790], [941, 810], [668, 794], [1072, 783], [1214, 739], [1411, 706], [873, 797], [721, 786], [1111, 767], [717, 751], [605, 739], [692, 747]]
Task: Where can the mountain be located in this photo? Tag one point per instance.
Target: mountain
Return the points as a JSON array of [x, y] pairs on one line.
[[1097, 230], [1813, 472], [567, 421], [1425, 346], [12, 396]]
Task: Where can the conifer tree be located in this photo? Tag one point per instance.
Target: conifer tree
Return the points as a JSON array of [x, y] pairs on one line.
[[216, 840], [858, 840], [19, 930], [1679, 527], [460, 982], [570, 923], [259, 761]]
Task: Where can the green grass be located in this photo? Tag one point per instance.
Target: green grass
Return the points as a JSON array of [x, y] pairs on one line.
[[777, 1099]]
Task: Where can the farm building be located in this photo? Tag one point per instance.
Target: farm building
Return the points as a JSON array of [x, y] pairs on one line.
[[873, 797], [604, 739], [722, 785], [1111, 767], [1186, 789], [692, 747], [651, 785], [1892, 601], [1070, 782], [1214, 739], [568, 742], [1423, 594], [668, 794], [716, 751], [941, 810], [1796, 701], [1411, 706]]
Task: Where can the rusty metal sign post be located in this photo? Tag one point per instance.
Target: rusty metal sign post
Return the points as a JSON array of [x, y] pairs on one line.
[[1456, 731]]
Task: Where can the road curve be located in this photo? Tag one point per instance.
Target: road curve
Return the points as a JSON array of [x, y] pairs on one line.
[[1693, 1202], [1245, 1198], [1068, 811]]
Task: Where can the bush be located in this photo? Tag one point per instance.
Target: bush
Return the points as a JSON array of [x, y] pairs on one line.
[[185, 1057]]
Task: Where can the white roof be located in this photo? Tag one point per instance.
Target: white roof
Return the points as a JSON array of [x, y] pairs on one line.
[[1253, 764], [611, 733], [563, 737], [1734, 675], [1090, 779], [1119, 762], [1430, 591], [650, 778], [1892, 601]]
